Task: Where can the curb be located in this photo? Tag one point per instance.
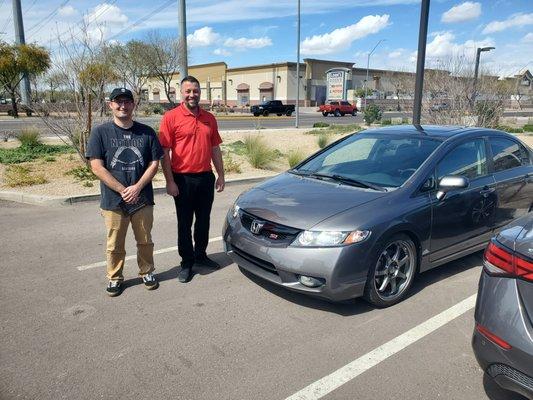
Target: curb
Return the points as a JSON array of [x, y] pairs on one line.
[[41, 200]]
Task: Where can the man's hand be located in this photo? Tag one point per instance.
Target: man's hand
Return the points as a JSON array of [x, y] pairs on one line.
[[172, 188], [131, 194], [220, 183]]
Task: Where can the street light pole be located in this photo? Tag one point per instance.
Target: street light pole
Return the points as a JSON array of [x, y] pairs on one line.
[[367, 65], [476, 70], [298, 69], [182, 22], [420, 62]]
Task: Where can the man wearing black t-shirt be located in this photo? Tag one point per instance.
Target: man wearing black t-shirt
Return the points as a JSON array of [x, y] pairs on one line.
[[125, 155]]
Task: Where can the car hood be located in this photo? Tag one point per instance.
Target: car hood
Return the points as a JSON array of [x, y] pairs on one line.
[[302, 203]]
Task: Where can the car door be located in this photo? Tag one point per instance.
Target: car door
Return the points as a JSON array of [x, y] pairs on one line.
[[513, 173], [464, 217]]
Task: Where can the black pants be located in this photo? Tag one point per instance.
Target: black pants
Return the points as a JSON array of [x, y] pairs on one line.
[[195, 198]]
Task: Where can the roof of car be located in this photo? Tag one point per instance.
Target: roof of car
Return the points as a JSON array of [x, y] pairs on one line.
[[435, 131]]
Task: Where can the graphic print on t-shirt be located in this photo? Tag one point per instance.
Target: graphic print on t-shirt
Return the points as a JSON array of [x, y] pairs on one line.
[[127, 154]]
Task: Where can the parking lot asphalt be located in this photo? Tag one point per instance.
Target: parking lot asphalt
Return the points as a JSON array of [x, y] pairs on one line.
[[224, 335]]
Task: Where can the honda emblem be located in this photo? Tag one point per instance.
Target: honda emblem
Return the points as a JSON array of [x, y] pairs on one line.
[[256, 226]]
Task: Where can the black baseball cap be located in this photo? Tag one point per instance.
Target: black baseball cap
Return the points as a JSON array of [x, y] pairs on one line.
[[123, 92]]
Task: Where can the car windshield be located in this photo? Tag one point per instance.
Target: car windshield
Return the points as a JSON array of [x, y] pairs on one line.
[[370, 161]]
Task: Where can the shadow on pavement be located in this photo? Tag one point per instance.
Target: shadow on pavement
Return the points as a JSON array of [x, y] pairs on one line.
[[494, 392]]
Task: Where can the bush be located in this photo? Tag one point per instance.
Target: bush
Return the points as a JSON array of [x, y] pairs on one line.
[[19, 175], [25, 154], [29, 138], [488, 113], [258, 153], [158, 109], [295, 157], [320, 125], [510, 129], [82, 174], [386, 121], [323, 140], [372, 114], [230, 165], [528, 128]]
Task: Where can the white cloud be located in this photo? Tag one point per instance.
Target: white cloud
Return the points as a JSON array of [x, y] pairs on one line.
[[202, 37], [528, 38], [516, 20], [443, 46], [463, 12], [245, 43], [221, 52], [106, 14], [342, 38], [396, 54], [67, 11]]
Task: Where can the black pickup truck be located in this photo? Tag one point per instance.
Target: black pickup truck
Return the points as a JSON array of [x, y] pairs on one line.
[[272, 107]]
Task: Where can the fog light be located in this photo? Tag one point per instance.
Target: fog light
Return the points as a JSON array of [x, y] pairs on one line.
[[309, 281]]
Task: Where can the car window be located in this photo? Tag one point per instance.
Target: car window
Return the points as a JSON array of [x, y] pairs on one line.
[[345, 103], [382, 160], [467, 159], [507, 154], [334, 103]]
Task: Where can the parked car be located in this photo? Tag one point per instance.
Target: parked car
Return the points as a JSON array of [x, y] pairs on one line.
[[364, 215], [337, 108], [272, 107], [503, 335], [439, 106]]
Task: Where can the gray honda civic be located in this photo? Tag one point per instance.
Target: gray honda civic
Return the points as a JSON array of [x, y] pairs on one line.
[[503, 335], [364, 215]]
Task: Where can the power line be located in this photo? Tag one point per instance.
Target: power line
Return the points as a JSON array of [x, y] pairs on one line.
[[48, 18]]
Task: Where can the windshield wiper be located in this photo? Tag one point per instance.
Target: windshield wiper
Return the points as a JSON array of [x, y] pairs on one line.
[[351, 181]]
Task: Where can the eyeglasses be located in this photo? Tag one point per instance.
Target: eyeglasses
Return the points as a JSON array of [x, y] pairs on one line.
[[123, 102]]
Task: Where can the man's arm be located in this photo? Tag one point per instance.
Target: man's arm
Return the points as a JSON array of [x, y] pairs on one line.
[[172, 188], [97, 166], [131, 193], [216, 156]]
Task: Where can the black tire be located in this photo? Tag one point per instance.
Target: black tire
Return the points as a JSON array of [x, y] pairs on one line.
[[354, 113], [342, 114], [265, 113], [388, 280], [279, 114], [325, 113], [288, 113], [337, 113], [256, 114]]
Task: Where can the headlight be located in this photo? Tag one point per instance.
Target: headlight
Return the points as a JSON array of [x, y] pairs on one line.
[[329, 238], [234, 210]]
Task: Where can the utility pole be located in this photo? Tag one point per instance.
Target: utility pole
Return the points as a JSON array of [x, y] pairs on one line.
[[367, 65], [182, 21], [476, 71], [298, 69], [25, 95], [422, 39]]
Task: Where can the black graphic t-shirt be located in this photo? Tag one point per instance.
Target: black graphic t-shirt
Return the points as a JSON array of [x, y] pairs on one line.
[[126, 154]]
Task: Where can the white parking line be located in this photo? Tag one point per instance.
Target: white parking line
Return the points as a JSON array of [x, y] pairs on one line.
[[133, 257], [345, 374]]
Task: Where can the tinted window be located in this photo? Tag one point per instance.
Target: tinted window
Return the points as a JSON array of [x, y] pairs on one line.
[[468, 159], [507, 154], [345, 103], [334, 103], [382, 160]]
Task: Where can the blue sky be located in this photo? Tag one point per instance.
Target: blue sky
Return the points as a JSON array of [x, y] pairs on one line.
[[249, 32]]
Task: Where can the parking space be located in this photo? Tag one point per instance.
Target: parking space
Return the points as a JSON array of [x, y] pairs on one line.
[[225, 335]]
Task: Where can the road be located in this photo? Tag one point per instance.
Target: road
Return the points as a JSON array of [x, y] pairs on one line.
[[224, 335]]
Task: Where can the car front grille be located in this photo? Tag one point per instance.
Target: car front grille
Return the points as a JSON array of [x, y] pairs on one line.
[[274, 232], [255, 260], [511, 373]]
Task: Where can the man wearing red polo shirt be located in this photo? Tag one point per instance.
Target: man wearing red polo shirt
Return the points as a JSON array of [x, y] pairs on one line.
[[190, 140]]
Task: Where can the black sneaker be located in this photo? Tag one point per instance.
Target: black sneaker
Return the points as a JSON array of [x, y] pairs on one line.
[[207, 262], [185, 273], [114, 288], [149, 281]]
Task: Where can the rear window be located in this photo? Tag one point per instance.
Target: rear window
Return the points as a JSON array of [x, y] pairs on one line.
[[507, 154]]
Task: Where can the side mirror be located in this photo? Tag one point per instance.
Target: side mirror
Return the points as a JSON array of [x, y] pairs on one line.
[[451, 182]]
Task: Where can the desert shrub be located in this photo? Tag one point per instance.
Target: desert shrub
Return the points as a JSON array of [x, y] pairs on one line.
[[29, 137], [230, 165], [320, 125], [323, 140], [386, 121], [19, 175], [372, 114], [259, 154], [82, 174], [528, 128], [27, 153], [510, 129], [295, 157]]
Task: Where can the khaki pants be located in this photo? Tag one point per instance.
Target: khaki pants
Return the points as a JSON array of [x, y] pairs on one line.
[[117, 224]]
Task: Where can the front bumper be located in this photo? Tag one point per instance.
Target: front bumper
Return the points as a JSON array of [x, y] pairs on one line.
[[499, 310], [344, 269]]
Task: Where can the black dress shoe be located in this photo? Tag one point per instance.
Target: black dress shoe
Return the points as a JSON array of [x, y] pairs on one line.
[[207, 262], [185, 273]]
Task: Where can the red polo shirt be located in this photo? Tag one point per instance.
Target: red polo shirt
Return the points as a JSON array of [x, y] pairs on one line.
[[190, 138]]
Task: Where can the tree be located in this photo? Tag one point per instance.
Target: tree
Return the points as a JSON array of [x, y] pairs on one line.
[[17, 60], [164, 59], [130, 62]]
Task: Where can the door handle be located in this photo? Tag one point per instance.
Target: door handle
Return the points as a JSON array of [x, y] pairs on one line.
[[486, 191]]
